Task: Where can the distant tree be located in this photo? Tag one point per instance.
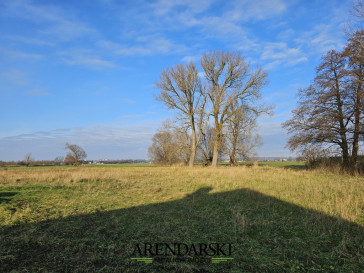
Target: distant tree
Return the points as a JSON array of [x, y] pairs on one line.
[[58, 160], [28, 159], [230, 79], [170, 145], [181, 90], [76, 154], [161, 150]]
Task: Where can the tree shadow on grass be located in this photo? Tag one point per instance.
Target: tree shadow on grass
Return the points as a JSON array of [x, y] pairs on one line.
[[267, 235]]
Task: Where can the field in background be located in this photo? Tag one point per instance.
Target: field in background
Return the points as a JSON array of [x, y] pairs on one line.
[[278, 217], [282, 164]]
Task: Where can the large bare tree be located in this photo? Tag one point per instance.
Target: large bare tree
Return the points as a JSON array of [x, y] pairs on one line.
[[229, 78], [354, 53], [324, 111], [181, 90]]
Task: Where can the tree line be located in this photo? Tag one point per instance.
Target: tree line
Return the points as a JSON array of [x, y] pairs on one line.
[[216, 111]]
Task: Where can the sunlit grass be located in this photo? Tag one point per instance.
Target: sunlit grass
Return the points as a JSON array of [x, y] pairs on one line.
[[55, 189], [34, 195]]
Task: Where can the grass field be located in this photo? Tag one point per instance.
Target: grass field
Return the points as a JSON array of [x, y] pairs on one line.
[[278, 218]]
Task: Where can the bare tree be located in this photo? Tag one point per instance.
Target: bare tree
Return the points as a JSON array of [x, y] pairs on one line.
[[324, 113], [181, 90], [76, 154], [354, 53], [170, 145], [229, 79], [355, 23], [58, 160], [162, 149], [240, 139], [28, 159], [358, 9]]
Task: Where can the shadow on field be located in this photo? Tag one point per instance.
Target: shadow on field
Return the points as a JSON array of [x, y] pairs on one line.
[[5, 196], [267, 235]]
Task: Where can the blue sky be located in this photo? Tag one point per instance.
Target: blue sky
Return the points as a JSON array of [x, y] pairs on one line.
[[84, 71]]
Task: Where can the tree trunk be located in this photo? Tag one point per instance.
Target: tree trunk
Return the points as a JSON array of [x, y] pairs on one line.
[[232, 161], [193, 141], [232, 156], [357, 109], [343, 129], [346, 159], [216, 153], [193, 151], [215, 156]]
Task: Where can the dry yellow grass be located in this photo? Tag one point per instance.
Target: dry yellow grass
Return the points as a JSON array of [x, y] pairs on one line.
[[333, 194], [279, 220]]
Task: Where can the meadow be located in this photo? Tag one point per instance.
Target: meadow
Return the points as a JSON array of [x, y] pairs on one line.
[[278, 217]]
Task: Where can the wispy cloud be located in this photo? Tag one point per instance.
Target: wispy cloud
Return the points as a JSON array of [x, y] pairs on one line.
[[322, 38], [14, 77], [99, 141], [85, 58], [38, 92], [255, 10], [188, 59], [16, 54], [29, 40], [162, 7], [328, 35], [131, 116], [128, 101], [280, 53], [143, 46], [57, 22], [274, 139]]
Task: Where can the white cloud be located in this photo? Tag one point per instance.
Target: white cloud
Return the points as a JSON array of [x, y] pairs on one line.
[[329, 33], [20, 54], [57, 22], [322, 38], [201, 74], [143, 46], [188, 59], [31, 41], [128, 101], [38, 92], [66, 31], [85, 58], [255, 10], [99, 141], [279, 53], [131, 116], [274, 139], [163, 7], [14, 77]]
